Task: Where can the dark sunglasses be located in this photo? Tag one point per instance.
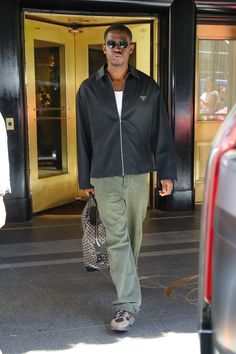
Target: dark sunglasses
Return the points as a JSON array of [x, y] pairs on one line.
[[112, 44]]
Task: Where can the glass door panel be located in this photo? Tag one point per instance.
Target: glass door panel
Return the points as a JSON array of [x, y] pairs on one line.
[[50, 108], [217, 70], [215, 92]]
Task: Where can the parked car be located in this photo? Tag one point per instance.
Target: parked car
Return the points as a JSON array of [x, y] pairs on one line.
[[217, 281]]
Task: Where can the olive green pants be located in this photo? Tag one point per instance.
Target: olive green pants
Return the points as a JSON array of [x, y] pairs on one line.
[[122, 203]]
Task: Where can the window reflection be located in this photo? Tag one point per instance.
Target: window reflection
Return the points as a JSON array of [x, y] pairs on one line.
[[217, 68], [50, 108]]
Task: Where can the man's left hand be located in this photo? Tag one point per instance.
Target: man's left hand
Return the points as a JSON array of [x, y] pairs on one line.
[[167, 187]]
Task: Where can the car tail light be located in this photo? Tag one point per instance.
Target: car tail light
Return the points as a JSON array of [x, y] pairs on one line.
[[224, 141], [212, 181]]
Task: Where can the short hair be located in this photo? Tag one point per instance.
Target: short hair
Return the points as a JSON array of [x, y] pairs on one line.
[[118, 27]]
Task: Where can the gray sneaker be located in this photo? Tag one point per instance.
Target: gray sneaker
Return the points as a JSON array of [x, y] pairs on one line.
[[122, 321]]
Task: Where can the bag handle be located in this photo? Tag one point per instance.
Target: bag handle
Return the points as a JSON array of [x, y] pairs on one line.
[[92, 197]]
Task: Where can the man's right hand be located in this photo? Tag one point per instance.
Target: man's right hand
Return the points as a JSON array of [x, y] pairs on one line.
[[89, 190]]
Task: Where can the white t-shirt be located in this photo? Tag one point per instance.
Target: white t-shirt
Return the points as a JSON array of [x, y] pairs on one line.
[[4, 160], [119, 98]]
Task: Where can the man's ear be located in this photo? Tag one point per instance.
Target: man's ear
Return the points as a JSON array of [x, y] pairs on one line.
[[132, 46], [104, 48]]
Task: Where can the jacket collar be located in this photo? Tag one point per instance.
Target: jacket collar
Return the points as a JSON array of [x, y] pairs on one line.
[[103, 70]]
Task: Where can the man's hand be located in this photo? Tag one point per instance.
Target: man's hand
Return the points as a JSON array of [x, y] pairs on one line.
[[88, 190], [167, 187]]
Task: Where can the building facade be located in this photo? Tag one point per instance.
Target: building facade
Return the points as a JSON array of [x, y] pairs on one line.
[[47, 48]]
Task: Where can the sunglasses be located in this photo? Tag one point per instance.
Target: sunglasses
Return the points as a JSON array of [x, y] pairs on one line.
[[112, 44]]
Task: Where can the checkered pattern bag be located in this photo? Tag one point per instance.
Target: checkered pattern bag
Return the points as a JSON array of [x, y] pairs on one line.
[[94, 235]]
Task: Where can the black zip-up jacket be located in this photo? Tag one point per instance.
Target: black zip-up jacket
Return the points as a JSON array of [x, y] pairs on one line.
[[138, 142]]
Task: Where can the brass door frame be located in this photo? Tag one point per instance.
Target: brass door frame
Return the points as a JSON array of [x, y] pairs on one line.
[[50, 191]]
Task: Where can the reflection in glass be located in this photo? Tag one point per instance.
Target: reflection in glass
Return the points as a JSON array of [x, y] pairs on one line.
[[50, 108], [217, 88]]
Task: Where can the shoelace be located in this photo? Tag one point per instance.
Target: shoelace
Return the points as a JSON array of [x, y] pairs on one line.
[[121, 314]]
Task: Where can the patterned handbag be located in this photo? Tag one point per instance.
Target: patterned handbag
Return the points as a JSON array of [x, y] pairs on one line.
[[94, 236]]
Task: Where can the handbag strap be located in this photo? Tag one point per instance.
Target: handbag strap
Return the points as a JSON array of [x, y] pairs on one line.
[[92, 198]]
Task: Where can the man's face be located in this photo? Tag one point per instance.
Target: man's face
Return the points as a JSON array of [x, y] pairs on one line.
[[118, 56]]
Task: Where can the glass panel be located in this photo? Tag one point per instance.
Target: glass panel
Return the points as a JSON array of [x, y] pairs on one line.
[[97, 58], [50, 108], [217, 84]]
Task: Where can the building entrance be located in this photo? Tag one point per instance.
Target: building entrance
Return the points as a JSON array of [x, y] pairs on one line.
[[60, 52]]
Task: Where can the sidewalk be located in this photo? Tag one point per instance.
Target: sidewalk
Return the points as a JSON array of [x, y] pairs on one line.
[[50, 304]]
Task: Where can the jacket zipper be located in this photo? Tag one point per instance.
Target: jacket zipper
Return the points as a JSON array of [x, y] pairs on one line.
[[121, 142]]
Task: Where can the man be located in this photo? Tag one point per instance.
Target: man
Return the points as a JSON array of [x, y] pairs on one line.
[[4, 170], [123, 134]]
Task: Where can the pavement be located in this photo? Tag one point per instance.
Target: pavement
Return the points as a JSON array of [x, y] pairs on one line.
[[49, 303]]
